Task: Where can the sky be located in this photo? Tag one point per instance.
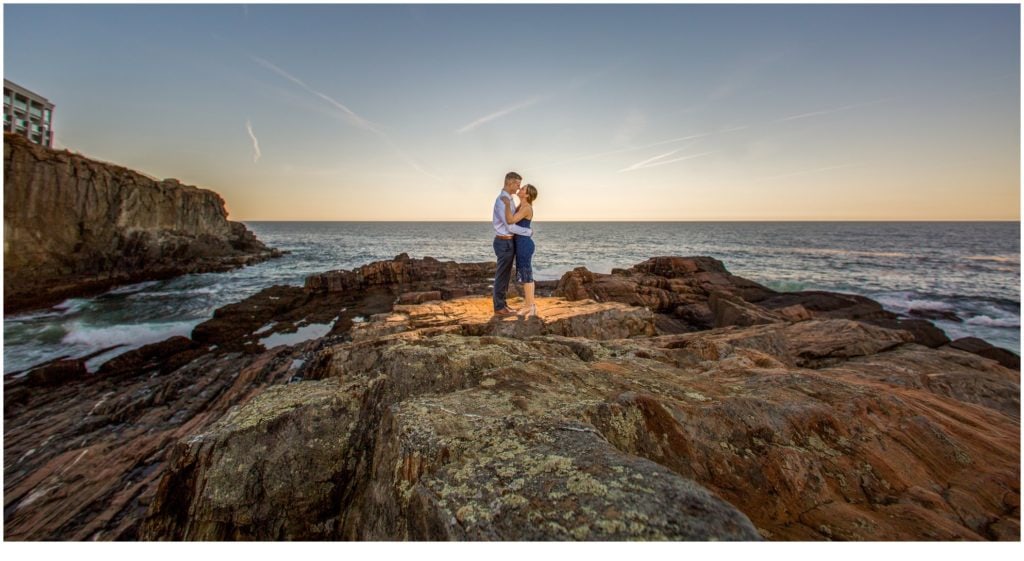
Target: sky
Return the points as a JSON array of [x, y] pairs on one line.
[[614, 112]]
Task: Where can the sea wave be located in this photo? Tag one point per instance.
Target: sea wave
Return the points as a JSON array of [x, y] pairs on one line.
[[995, 258], [72, 306], [133, 288], [87, 338], [999, 321]]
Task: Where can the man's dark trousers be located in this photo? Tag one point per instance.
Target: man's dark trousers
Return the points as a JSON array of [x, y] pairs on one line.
[[506, 252]]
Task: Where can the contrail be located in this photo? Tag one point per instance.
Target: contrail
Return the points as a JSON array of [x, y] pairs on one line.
[[255, 142], [624, 150], [574, 83], [349, 115], [501, 113], [649, 160], [834, 110], [810, 171], [673, 160]]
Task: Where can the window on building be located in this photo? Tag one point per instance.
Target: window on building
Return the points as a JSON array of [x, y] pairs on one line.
[[36, 112], [46, 116]]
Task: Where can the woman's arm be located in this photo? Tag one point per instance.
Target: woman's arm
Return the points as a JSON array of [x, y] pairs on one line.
[[508, 211], [519, 215]]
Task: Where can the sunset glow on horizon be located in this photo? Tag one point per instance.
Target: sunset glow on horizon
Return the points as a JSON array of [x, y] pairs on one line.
[[619, 113]]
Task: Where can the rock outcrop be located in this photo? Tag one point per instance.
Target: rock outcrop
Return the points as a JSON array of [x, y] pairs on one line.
[[75, 226], [424, 417]]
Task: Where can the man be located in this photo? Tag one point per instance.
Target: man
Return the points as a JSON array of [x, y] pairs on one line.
[[504, 247]]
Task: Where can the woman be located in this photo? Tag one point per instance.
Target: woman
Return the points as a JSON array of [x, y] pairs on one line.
[[524, 246]]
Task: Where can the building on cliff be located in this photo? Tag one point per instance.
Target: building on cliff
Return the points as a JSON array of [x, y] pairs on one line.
[[28, 114]]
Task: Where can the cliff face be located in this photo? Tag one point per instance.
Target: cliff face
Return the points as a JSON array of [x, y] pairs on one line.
[[75, 226], [422, 417]]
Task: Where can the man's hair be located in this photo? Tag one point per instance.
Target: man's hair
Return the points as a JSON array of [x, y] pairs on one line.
[[513, 175]]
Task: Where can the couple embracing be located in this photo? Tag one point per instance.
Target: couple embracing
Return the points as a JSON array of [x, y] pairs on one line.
[[513, 243]]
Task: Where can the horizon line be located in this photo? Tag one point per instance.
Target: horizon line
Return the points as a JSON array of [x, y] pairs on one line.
[[808, 220]]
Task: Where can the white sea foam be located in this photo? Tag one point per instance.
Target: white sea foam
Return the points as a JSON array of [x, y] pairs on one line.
[[80, 333], [72, 306], [986, 321], [132, 288], [87, 339], [905, 301]]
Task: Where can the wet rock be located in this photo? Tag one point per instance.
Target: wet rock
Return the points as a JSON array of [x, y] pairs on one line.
[[831, 305], [987, 350], [165, 356], [828, 305], [58, 372], [943, 315], [924, 332]]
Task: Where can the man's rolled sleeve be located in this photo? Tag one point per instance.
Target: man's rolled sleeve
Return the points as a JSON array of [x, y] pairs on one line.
[[516, 229]]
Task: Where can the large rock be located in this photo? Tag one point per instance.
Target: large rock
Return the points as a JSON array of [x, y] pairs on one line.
[[429, 419], [676, 437], [423, 439], [987, 350], [75, 226], [680, 286], [698, 293], [404, 274]]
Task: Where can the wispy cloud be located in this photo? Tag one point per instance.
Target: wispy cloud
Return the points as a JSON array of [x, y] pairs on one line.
[[349, 115], [572, 84], [810, 171], [649, 160], [831, 110], [597, 155], [256, 154], [500, 113], [658, 161]]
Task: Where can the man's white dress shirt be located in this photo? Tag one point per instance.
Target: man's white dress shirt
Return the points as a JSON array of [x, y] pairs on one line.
[[501, 227]]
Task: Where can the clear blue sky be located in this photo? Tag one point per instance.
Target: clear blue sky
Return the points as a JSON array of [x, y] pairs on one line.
[[663, 112]]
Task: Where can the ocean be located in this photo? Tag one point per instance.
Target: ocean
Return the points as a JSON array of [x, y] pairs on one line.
[[970, 269]]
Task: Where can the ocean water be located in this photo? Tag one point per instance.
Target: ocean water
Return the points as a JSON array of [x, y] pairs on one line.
[[971, 269]]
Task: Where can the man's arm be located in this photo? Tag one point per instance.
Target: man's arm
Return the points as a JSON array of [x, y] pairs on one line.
[[515, 229], [520, 230]]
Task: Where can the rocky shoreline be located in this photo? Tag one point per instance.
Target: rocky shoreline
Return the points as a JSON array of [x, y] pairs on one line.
[[672, 400], [75, 227]]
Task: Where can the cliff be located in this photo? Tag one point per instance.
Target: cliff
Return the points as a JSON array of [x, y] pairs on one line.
[[693, 413], [75, 226]]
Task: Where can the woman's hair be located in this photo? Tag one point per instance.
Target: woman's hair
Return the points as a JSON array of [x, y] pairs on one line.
[[531, 192]]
